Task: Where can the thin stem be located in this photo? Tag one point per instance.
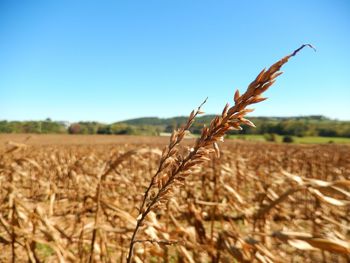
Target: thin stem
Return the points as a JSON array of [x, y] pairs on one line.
[[13, 234], [132, 242], [94, 233]]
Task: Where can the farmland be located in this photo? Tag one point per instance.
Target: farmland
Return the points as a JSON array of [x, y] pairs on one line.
[[176, 199], [75, 199]]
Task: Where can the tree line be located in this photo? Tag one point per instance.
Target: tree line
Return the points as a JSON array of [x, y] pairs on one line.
[[292, 126]]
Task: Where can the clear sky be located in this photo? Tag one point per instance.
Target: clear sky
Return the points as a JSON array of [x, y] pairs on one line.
[[114, 60]]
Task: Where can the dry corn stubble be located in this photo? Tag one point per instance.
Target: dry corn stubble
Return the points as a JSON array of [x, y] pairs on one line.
[[48, 204]]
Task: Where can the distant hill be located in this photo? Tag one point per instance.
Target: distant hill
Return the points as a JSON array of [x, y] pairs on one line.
[[164, 121], [207, 118]]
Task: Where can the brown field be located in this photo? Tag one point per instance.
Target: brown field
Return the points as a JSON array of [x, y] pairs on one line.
[[57, 139], [258, 202]]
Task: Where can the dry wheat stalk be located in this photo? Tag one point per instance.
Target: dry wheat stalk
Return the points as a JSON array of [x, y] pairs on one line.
[[175, 167]]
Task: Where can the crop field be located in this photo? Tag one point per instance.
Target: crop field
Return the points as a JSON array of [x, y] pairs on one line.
[[76, 199], [175, 199]]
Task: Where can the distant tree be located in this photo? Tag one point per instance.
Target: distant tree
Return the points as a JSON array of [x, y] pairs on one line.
[[74, 128], [104, 129], [327, 132], [51, 127], [4, 127], [29, 127], [270, 137], [170, 127], [288, 139]]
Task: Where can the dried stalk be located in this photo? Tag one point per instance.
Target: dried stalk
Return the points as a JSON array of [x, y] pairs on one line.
[[174, 167], [112, 165], [13, 233], [97, 214]]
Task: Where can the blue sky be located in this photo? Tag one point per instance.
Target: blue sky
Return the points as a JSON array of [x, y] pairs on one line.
[[115, 60]]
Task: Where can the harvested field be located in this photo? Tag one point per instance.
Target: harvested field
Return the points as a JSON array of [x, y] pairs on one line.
[[57, 139], [72, 199], [75, 199]]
